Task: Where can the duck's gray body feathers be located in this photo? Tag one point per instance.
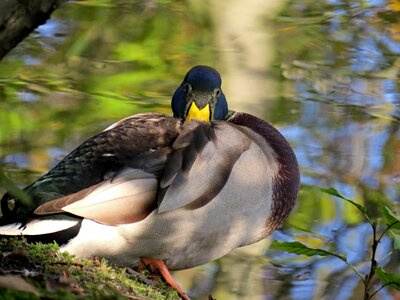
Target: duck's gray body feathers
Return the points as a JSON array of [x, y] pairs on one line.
[[148, 186]]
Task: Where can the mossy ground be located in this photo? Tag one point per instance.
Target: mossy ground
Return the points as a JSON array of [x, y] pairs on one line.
[[41, 271]]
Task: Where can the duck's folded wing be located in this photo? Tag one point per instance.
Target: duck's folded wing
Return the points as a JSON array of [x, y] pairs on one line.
[[127, 197], [200, 165]]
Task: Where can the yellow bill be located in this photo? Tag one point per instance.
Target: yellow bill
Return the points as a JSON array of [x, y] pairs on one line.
[[198, 114]]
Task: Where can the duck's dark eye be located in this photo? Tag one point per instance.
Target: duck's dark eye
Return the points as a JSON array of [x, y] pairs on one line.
[[218, 92], [187, 88]]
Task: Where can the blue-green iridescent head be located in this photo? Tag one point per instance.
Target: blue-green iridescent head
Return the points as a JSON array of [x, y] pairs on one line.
[[200, 96]]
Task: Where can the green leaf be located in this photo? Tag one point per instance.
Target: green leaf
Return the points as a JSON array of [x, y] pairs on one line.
[[396, 239], [299, 248], [393, 221], [334, 192], [390, 279], [11, 187]]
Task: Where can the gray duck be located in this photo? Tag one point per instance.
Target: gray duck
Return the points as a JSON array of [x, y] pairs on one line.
[[170, 192]]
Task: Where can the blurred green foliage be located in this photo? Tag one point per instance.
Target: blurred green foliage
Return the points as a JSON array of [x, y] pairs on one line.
[[104, 71]]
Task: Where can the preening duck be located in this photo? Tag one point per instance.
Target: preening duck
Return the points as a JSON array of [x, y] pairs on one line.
[[175, 192]]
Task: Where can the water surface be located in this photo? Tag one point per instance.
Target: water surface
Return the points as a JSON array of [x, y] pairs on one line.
[[326, 73]]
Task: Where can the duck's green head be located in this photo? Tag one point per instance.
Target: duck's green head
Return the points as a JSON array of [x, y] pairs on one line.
[[200, 96]]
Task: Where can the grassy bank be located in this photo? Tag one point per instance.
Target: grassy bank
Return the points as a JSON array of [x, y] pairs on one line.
[[41, 271]]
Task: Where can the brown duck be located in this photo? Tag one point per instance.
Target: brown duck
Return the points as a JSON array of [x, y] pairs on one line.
[[173, 192]]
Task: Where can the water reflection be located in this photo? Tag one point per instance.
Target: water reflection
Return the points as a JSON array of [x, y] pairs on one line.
[[326, 73]]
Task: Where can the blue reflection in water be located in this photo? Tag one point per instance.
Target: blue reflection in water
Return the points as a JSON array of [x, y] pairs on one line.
[[377, 141], [366, 56], [27, 96], [392, 45], [54, 29], [56, 154], [20, 160], [30, 60]]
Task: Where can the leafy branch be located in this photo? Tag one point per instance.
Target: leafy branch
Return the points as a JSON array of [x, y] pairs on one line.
[[392, 224], [12, 188]]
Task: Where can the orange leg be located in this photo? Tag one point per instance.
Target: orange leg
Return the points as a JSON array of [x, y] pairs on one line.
[[159, 265]]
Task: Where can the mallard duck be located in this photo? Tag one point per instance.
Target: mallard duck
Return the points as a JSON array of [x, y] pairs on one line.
[[175, 192]]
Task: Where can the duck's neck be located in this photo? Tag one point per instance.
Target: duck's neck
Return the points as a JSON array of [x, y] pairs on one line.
[[287, 180]]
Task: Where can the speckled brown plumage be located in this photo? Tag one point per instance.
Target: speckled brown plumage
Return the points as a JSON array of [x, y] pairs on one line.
[[98, 157]]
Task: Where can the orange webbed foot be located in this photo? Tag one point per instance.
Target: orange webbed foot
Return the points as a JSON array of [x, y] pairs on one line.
[[159, 265]]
